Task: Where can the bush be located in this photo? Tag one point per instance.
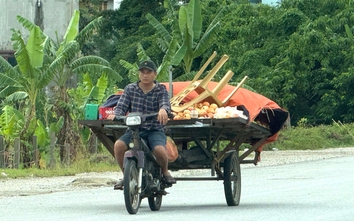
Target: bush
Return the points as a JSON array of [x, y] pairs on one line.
[[313, 138]]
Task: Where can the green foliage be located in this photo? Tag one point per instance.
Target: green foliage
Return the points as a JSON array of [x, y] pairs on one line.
[[90, 164], [66, 60], [41, 61], [303, 123], [297, 54], [11, 123], [101, 86], [87, 91], [184, 42], [55, 127], [313, 138], [43, 134], [25, 80], [119, 34]]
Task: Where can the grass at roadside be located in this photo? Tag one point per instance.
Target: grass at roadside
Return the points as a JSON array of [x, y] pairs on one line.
[[314, 138], [79, 166], [298, 138]]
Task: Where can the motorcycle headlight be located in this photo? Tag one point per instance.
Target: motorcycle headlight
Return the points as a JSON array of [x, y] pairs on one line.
[[133, 120]]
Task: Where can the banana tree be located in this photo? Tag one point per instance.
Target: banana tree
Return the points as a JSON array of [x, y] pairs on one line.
[[40, 62], [162, 69], [87, 92], [26, 79], [66, 63], [11, 124], [186, 40]]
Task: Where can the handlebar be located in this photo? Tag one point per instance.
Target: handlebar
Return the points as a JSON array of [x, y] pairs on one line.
[[142, 116]]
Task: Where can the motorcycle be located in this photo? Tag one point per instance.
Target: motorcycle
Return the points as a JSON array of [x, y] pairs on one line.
[[142, 175]]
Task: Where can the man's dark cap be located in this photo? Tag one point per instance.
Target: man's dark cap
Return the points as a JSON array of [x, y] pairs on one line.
[[148, 64]]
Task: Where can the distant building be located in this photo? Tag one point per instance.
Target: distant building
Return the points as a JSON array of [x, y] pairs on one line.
[[269, 2], [53, 16], [111, 4]]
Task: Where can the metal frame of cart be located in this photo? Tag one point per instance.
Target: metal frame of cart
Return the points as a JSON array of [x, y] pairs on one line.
[[206, 154]]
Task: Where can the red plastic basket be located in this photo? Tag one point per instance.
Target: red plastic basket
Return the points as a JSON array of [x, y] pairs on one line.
[[104, 112]]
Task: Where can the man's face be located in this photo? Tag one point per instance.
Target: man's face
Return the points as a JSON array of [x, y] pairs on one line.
[[146, 75]]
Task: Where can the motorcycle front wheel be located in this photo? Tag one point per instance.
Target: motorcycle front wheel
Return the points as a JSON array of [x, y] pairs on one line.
[[131, 193]]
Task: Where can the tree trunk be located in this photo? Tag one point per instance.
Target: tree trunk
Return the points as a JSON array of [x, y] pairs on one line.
[[26, 137], [69, 133]]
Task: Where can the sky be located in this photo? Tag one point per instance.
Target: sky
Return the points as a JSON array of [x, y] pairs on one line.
[[270, 2]]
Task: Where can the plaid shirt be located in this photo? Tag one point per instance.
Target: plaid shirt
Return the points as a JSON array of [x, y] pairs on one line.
[[135, 100]]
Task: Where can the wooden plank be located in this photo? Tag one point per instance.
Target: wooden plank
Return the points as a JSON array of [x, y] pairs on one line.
[[253, 148], [201, 87]]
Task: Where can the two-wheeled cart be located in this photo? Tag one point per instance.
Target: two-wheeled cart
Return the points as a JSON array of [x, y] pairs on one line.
[[202, 144]]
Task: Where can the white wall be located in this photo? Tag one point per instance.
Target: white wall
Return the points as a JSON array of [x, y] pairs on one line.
[[116, 4], [56, 17]]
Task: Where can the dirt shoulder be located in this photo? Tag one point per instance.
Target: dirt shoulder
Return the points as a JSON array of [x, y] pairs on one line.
[[38, 185]]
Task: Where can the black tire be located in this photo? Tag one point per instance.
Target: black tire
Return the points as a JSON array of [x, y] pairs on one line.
[[232, 180], [131, 195], [155, 202]]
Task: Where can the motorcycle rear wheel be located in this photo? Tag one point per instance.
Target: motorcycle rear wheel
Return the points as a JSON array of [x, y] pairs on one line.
[[155, 202]]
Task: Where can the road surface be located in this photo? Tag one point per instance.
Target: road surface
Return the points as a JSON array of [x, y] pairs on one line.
[[313, 190]]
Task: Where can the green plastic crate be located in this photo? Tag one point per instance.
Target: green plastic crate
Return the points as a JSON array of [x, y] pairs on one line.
[[91, 112]]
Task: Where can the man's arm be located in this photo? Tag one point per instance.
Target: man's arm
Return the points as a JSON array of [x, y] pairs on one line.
[[164, 101], [165, 107]]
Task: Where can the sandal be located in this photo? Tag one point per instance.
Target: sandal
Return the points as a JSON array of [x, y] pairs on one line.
[[169, 179], [119, 185]]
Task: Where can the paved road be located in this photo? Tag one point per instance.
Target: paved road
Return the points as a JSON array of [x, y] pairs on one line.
[[316, 190]]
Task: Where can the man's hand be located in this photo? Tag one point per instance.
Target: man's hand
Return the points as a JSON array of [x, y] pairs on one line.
[[162, 116], [111, 117]]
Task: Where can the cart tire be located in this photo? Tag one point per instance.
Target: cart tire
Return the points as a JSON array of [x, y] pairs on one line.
[[232, 180], [131, 194], [155, 202]]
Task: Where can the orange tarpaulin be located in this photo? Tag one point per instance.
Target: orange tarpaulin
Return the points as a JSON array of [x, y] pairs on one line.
[[257, 107]]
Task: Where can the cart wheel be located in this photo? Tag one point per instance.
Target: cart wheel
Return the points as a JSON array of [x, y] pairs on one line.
[[155, 202], [131, 194], [232, 180]]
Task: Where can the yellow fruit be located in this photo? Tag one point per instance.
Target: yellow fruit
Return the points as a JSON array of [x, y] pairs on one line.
[[202, 113], [187, 116], [210, 115], [177, 117], [214, 106], [210, 110], [186, 111], [206, 103]]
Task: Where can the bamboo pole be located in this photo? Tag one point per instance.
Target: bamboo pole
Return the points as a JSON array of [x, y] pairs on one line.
[[35, 152], [2, 152], [17, 153], [53, 140]]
